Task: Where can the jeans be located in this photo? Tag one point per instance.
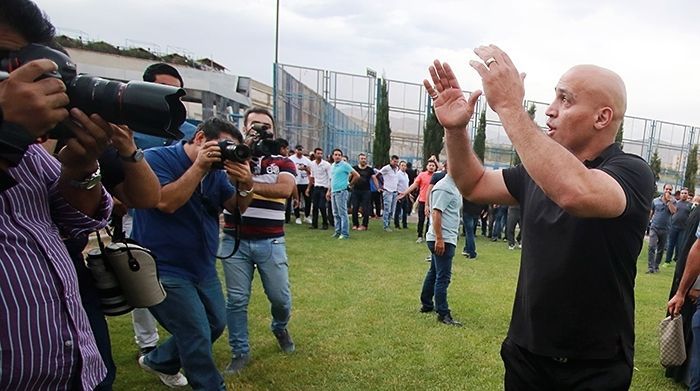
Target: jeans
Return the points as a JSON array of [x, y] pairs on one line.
[[657, 245], [389, 205], [438, 279], [193, 313], [403, 208], [340, 213], [500, 216], [360, 199], [318, 199], [269, 256], [675, 242], [469, 242]]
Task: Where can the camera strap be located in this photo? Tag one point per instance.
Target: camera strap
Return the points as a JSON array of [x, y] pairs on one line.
[[237, 223], [133, 263]]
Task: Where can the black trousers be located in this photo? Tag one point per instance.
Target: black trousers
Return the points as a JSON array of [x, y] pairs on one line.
[[528, 371], [421, 219], [403, 208], [301, 189], [360, 199], [377, 203], [318, 199]]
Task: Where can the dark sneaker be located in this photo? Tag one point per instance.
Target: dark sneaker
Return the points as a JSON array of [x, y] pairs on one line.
[[425, 310], [313, 227], [324, 226], [285, 340], [447, 319], [144, 351], [237, 364]]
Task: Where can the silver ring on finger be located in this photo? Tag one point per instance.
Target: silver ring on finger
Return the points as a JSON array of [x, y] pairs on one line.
[[490, 61]]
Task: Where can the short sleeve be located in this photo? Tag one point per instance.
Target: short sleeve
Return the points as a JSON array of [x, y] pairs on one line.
[[514, 179], [439, 199], [161, 167], [636, 179]]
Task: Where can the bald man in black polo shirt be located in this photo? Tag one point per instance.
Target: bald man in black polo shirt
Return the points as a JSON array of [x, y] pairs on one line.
[[585, 206]]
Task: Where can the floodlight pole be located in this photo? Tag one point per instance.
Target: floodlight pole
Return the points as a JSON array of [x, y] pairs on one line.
[[274, 66]]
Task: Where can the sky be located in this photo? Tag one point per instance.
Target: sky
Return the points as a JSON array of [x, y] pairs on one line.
[[653, 45]]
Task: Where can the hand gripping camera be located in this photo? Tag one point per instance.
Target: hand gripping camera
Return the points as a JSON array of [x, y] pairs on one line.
[[149, 108]]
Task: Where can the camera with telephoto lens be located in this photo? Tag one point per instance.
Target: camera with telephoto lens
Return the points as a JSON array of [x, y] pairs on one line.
[[239, 153], [148, 108], [263, 142]]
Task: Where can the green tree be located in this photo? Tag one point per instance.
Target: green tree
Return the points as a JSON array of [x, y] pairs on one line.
[[620, 132], [480, 137], [655, 164], [691, 169], [382, 129], [432, 136]]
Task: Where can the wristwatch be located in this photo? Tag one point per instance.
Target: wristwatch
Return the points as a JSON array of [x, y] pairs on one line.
[[89, 181], [135, 157], [246, 193]]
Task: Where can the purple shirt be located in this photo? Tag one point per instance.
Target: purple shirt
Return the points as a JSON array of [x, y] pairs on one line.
[[45, 337]]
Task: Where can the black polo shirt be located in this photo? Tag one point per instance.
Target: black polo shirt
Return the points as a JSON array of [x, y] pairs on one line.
[[575, 294]]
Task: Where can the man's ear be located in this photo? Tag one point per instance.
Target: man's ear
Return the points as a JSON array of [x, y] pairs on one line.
[[604, 118]]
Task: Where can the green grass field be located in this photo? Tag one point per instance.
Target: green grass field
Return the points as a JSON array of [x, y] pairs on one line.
[[356, 323]]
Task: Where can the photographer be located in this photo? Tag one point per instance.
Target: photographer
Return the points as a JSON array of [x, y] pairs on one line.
[[261, 242], [182, 232], [39, 297], [662, 208]]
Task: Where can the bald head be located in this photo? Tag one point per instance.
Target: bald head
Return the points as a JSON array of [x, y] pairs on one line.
[[601, 87]]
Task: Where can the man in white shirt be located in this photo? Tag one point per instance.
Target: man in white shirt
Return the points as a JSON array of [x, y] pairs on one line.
[[390, 173], [319, 183], [302, 179], [403, 206]]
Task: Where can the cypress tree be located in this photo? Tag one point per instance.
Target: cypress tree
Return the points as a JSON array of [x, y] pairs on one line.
[[382, 129], [432, 136], [691, 169], [480, 137]]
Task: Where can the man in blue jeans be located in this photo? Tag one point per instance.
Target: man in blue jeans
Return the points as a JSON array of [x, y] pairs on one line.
[[342, 176], [182, 232], [445, 203], [261, 245]]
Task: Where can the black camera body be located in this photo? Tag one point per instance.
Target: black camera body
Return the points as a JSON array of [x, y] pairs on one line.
[[149, 108], [239, 153], [263, 142]]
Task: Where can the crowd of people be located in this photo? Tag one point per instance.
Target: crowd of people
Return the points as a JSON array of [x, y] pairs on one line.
[[572, 324]]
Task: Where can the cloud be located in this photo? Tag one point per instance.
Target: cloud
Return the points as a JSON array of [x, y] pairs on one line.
[[649, 43]]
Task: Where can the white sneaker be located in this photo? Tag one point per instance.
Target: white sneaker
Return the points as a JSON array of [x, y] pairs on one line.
[[298, 220], [308, 220], [172, 381], [511, 247], [419, 240]]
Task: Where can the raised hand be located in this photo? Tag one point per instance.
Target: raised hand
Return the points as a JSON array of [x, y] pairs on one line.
[[452, 109], [503, 85]]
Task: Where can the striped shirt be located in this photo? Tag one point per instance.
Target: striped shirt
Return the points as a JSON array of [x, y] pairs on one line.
[[264, 217], [45, 338]]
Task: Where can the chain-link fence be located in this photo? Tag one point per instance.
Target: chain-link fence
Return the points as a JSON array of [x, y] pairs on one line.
[[328, 109]]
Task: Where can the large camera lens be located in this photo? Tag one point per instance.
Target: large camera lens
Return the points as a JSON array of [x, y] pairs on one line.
[[148, 108]]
